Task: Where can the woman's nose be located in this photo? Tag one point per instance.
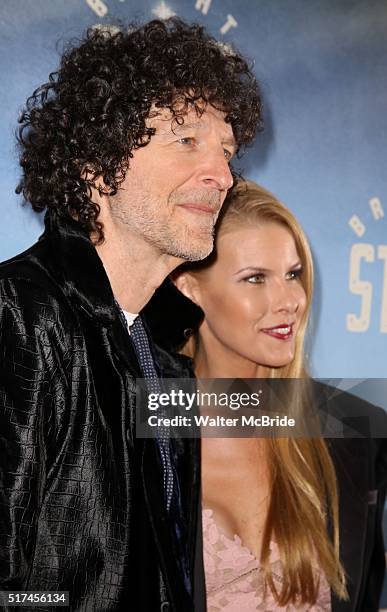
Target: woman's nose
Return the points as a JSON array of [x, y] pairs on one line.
[[286, 299]]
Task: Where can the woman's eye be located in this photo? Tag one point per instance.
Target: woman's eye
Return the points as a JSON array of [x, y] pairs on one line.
[[294, 274], [256, 279]]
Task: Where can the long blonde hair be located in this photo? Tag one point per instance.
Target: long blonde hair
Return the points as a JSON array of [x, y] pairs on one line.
[[303, 504]]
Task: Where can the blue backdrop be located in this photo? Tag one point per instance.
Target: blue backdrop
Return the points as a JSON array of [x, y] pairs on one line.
[[323, 69]]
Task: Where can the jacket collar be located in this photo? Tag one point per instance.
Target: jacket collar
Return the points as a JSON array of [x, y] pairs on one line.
[[83, 275]]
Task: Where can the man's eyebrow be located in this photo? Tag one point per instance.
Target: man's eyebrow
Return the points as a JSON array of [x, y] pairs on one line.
[[187, 126], [184, 127], [230, 140], [169, 130]]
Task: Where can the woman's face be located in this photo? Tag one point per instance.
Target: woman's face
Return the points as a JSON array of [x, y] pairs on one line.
[[252, 296]]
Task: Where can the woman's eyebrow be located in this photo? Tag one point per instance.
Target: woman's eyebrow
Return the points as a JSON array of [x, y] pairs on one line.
[[252, 269], [265, 270]]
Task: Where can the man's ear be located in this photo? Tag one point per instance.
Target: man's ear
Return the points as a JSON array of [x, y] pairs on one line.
[[188, 285]]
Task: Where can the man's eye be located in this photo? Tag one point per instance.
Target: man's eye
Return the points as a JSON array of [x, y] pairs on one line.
[[187, 140], [227, 154]]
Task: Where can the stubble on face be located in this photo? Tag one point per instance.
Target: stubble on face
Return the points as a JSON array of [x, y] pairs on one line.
[[173, 233], [150, 202], [196, 241]]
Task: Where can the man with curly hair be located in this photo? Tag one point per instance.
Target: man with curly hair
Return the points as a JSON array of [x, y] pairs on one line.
[[127, 148]]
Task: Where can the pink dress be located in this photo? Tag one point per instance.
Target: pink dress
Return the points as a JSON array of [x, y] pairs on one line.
[[234, 582]]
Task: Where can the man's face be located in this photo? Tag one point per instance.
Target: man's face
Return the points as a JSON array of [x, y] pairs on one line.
[[176, 185]]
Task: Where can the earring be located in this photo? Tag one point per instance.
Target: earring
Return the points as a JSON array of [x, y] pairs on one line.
[[188, 332]]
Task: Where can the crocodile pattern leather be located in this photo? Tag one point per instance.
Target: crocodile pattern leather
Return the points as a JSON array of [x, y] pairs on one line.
[[73, 515]]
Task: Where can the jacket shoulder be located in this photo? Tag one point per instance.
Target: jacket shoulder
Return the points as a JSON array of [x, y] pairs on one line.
[[31, 265], [364, 430], [350, 408], [29, 289], [173, 365]]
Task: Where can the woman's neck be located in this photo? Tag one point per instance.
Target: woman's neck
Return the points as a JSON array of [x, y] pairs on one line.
[[219, 362]]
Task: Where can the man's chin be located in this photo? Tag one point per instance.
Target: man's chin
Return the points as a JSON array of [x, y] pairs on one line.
[[198, 252], [191, 248]]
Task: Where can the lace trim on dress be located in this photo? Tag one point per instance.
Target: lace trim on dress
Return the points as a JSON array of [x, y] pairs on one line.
[[234, 579]]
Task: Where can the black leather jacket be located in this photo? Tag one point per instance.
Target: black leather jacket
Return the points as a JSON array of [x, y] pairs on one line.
[[81, 499]]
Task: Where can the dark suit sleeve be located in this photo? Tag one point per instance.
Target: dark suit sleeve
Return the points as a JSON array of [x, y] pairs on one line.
[[375, 577], [28, 365], [361, 467]]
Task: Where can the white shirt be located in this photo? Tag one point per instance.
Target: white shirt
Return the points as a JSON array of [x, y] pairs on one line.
[[130, 317]]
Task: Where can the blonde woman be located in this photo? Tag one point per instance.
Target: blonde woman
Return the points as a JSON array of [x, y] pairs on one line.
[[287, 523]]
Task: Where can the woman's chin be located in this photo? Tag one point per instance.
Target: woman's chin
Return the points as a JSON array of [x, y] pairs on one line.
[[279, 362]]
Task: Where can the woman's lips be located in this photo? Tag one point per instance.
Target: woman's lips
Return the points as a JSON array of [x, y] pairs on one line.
[[281, 332]]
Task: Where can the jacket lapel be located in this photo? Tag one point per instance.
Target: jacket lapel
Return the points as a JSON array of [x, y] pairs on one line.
[[166, 545]]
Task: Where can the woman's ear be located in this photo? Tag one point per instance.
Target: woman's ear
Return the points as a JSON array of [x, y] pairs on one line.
[[188, 285]]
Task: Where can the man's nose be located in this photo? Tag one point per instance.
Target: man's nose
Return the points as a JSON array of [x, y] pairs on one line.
[[215, 172]]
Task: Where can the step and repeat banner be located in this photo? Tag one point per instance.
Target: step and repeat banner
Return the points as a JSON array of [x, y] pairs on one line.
[[322, 65]]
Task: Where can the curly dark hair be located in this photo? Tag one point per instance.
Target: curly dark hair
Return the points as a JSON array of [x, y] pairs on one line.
[[92, 113]]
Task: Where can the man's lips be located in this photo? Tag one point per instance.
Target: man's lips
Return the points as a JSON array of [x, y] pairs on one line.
[[199, 208], [284, 331]]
